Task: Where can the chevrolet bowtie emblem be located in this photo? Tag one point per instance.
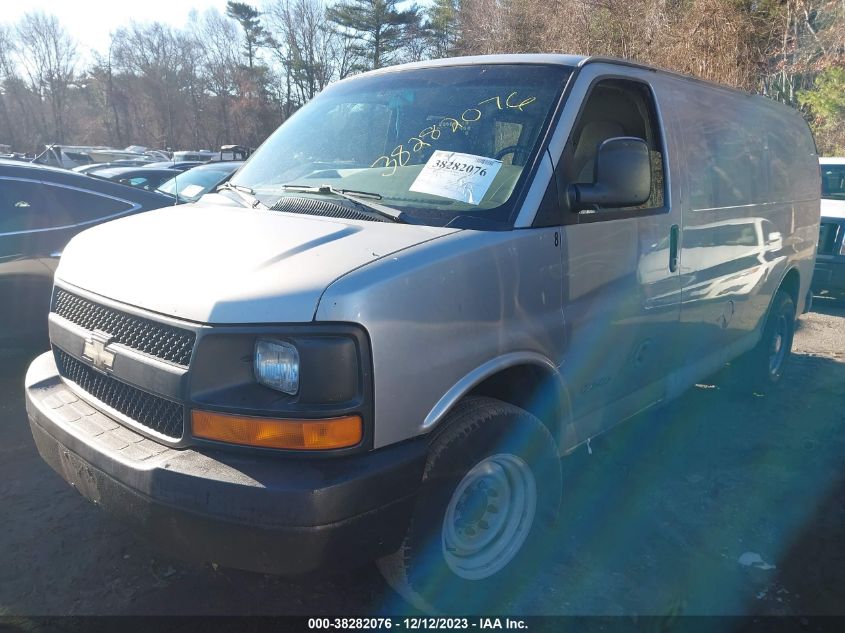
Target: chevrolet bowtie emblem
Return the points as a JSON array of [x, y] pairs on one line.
[[95, 350]]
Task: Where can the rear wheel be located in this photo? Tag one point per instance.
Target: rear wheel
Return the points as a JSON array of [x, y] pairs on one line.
[[763, 367], [489, 497]]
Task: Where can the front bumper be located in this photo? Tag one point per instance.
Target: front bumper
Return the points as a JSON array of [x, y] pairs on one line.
[[265, 513], [829, 275]]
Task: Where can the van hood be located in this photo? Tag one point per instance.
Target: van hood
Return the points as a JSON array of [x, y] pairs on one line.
[[216, 263]]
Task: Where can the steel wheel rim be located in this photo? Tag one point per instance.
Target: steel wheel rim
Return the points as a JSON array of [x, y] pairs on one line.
[[777, 348], [489, 516]]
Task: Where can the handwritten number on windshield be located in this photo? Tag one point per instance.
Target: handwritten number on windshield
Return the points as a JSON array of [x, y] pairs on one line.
[[521, 104], [508, 104], [432, 132], [453, 123], [418, 143], [400, 156], [475, 116]]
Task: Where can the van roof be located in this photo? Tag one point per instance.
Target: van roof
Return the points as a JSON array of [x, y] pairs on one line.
[[573, 61], [510, 58]]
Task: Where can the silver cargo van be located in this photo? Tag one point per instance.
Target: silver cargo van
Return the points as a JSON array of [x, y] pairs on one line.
[[434, 280]]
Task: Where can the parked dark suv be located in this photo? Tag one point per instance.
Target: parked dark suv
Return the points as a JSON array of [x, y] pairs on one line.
[[41, 208]]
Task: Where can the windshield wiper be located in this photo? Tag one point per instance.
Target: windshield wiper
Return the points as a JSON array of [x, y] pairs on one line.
[[244, 193], [353, 196]]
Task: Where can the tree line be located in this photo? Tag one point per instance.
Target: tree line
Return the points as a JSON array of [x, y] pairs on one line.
[[234, 76]]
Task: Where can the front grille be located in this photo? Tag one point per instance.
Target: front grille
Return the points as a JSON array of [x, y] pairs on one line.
[[153, 412], [165, 342]]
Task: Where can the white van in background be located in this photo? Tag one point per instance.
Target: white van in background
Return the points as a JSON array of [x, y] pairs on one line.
[[829, 276]]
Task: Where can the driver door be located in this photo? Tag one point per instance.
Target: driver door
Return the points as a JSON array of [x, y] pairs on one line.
[[621, 286]]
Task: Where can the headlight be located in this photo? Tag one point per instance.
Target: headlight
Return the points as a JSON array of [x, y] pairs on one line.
[[277, 365]]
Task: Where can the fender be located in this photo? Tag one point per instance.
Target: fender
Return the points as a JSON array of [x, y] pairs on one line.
[[798, 296], [493, 367]]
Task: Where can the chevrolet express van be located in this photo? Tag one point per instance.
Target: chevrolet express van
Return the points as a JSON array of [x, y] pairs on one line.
[[376, 341]]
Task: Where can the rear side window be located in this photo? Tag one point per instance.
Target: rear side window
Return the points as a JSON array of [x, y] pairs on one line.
[[75, 206], [740, 151], [790, 177], [726, 165], [22, 206]]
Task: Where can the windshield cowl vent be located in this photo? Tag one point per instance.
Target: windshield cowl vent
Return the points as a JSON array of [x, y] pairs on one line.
[[325, 208]]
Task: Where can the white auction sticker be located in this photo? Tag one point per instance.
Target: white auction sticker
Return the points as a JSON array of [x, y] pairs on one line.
[[463, 177], [191, 190]]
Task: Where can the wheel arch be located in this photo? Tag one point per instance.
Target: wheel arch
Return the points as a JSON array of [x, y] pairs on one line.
[[791, 283], [524, 379]]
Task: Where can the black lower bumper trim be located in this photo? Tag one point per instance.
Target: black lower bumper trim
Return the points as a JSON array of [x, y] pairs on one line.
[[262, 513]]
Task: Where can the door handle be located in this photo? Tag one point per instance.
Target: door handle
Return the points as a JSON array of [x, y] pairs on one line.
[[674, 233]]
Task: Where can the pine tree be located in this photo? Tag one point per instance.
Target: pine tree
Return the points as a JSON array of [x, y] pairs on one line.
[[442, 27], [249, 18], [378, 26], [826, 103]]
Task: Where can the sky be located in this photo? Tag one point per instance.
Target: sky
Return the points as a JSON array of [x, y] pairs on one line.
[[91, 21]]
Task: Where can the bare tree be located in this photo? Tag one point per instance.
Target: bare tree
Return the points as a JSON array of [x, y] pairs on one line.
[[220, 41], [156, 54], [48, 56], [7, 49], [304, 36]]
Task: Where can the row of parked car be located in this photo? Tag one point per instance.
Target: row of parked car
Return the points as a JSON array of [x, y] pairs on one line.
[[42, 207], [186, 181]]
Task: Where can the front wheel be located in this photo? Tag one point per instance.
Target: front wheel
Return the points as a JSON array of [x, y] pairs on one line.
[[489, 497]]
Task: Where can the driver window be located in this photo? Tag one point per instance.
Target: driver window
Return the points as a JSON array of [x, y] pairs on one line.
[[615, 107], [507, 134]]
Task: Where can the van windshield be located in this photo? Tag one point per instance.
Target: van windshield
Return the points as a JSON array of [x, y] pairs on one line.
[[434, 143]]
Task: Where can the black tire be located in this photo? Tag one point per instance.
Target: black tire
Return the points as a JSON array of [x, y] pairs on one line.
[[762, 368], [478, 430]]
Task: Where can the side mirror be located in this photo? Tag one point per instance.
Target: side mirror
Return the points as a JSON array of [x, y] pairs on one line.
[[622, 176]]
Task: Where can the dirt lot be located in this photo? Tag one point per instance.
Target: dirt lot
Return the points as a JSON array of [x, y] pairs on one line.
[[717, 504]]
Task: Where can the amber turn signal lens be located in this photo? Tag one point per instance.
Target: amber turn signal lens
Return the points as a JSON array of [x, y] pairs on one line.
[[304, 435]]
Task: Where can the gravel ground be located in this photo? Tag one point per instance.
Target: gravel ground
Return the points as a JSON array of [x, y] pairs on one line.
[[716, 504]]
